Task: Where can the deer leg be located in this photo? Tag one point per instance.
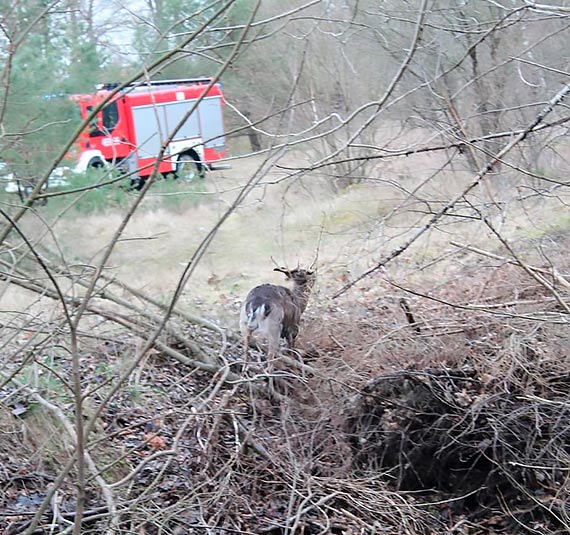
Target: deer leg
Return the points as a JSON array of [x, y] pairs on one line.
[[291, 337], [245, 347], [272, 348], [273, 337], [291, 342]]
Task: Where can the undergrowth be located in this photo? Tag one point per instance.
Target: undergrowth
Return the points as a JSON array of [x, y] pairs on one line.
[[418, 409]]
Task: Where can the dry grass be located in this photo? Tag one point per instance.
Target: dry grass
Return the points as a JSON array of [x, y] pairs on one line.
[[291, 221]]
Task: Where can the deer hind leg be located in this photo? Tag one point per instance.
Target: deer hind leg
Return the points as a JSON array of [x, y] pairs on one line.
[[246, 339], [245, 333], [272, 338], [272, 350]]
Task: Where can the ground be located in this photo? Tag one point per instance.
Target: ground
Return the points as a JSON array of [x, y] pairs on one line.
[[428, 398]]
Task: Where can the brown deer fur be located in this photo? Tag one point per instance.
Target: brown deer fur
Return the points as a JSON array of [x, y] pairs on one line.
[[271, 312]]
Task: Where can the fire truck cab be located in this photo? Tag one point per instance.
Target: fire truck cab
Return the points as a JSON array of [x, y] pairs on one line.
[[131, 130]]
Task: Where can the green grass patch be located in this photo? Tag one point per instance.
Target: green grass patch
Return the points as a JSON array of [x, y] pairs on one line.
[[82, 194], [45, 378]]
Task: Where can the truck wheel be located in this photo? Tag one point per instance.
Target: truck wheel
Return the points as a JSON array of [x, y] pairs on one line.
[[189, 168], [137, 184], [95, 163]]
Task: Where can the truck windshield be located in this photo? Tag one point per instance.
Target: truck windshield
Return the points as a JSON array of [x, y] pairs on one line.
[[94, 125], [110, 116]]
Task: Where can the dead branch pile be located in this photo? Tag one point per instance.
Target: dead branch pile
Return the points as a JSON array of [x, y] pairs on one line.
[[188, 454], [483, 440], [188, 440]]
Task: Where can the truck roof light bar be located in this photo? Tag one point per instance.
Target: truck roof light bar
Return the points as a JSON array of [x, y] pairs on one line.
[[155, 83]]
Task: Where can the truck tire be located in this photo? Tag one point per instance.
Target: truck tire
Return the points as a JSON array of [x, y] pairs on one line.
[[137, 184], [95, 163], [189, 167]]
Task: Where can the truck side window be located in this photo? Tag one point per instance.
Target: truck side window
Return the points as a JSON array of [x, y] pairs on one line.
[[110, 116]]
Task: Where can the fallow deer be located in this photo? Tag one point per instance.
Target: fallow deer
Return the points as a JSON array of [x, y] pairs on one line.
[[271, 312]]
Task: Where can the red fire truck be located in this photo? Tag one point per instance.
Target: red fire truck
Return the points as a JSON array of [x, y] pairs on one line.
[[131, 129]]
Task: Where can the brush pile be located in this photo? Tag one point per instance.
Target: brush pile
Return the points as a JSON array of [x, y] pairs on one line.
[[490, 433], [455, 423]]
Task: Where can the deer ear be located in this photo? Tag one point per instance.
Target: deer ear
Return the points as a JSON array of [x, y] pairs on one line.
[[285, 272]]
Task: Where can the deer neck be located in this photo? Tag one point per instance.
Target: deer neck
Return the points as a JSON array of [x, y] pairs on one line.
[[301, 293]]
